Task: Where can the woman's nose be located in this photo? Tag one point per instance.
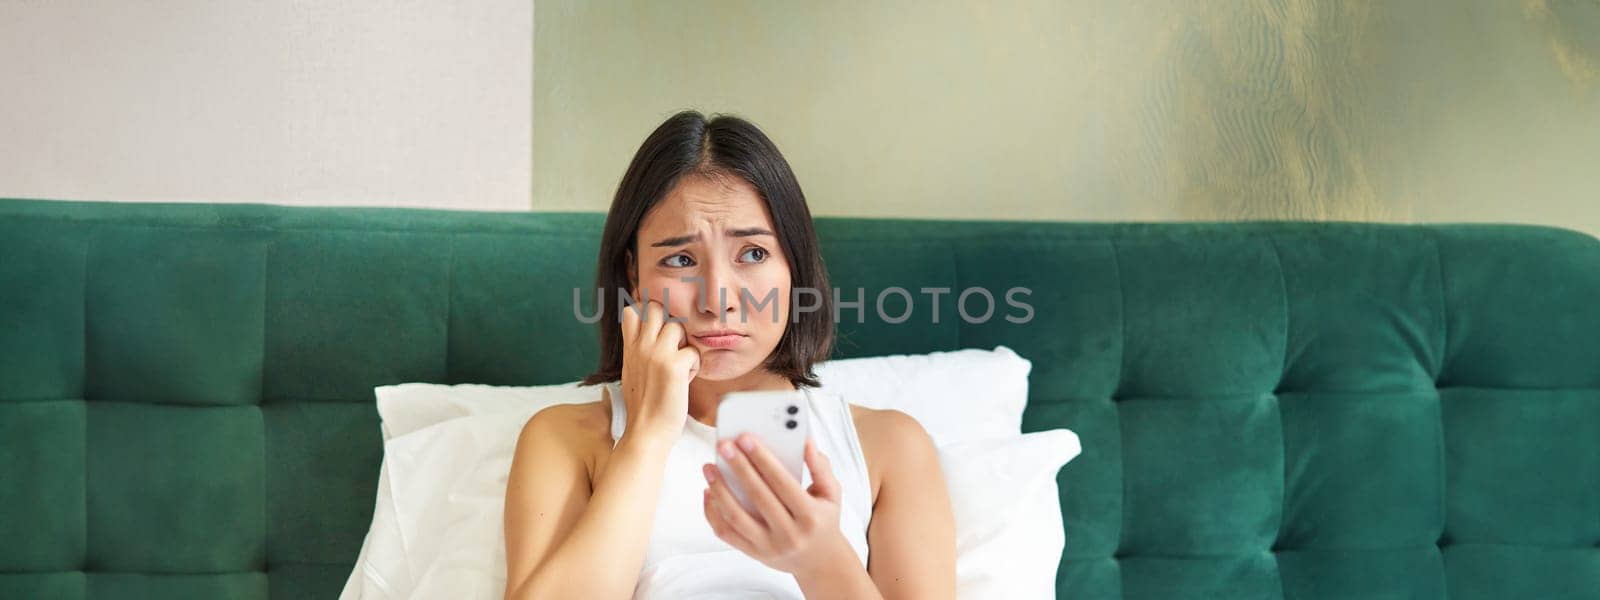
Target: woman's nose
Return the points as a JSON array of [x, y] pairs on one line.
[[721, 293]]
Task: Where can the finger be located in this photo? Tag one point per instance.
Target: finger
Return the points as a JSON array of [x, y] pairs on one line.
[[630, 323], [778, 479], [755, 488], [733, 513], [689, 359], [671, 337], [823, 483], [651, 327], [720, 526]]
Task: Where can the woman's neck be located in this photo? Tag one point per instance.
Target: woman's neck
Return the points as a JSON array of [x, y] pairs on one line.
[[704, 394]]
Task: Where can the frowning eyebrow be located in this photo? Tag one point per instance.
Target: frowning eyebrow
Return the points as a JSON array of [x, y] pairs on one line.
[[684, 239]]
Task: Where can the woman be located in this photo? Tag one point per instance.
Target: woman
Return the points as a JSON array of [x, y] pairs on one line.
[[707, 224]]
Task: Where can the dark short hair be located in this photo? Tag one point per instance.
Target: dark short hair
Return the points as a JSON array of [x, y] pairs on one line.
[[688, 143]]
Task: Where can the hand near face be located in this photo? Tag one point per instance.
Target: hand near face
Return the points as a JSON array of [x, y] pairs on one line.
[[657, 366], [792, 529]]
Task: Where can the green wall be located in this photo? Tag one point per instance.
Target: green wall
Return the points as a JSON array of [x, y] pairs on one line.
[[1414, 110]]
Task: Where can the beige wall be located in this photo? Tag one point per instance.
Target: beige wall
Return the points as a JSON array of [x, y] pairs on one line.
[[293, 102], [1423, 110]]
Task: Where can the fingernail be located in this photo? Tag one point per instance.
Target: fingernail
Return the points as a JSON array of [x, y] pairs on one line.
[[746, 443], [710, 473], [726, 448]]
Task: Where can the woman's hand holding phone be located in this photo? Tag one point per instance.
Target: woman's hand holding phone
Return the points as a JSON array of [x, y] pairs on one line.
[[657, 367], [793, 529]]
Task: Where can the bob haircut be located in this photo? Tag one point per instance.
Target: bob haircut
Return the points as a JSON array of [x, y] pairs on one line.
[[686, 144]]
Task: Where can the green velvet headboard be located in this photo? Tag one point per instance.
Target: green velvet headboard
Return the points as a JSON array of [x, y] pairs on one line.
[[1268, 409]]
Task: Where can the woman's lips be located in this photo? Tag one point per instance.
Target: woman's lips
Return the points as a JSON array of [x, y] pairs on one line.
[[722, 340]]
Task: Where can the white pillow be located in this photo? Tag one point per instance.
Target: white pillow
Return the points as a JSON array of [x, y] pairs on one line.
[[957, 396], [433, 431], [1009, 534], [441, 533], [407, 407]]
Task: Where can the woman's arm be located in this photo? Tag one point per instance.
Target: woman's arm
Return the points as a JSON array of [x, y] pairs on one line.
[[913, 533], [565, 539]]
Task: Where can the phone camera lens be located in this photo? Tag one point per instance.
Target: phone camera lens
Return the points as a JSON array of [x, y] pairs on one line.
[[793, 409], [791, 424]]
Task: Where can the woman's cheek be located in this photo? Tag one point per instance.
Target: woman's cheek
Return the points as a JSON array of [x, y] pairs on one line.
[[682, 300], [678, 299], [773, 317]]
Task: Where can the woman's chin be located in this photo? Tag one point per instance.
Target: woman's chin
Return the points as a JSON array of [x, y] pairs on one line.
[[721, 366]]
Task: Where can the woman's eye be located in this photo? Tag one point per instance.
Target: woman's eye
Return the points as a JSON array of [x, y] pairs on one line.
[[677, 260], [759, 254]]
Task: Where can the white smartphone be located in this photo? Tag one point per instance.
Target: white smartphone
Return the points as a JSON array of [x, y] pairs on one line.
[[781, 420]]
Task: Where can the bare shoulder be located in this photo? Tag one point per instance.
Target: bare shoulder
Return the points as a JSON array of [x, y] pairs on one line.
[[582, 429], [886, 425], [890, 437], [579, 419]]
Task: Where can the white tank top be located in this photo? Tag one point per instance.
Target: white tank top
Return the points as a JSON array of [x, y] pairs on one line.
[[686, 560]]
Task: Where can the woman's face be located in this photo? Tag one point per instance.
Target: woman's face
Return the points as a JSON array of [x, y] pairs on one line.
[[706, 245]]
